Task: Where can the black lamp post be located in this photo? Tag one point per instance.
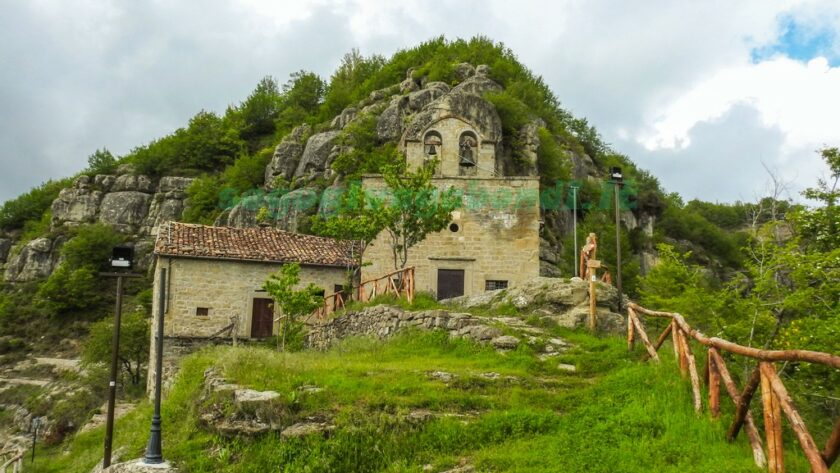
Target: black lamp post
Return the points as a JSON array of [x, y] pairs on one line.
[[616, 178], [122, 257], [154, 452]]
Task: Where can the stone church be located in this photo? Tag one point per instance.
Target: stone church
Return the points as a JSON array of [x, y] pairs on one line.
[[492, 241]]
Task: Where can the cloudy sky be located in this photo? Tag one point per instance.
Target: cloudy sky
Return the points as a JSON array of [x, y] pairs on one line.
[[703, 94]]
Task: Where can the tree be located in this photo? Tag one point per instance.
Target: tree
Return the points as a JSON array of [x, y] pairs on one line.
[[101, 162], [261, 108], [821, 225], [413, 208], [293, 303], [134, 344], [356, 217]]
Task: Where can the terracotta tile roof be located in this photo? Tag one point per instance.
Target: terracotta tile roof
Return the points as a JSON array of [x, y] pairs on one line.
[[251, 244]]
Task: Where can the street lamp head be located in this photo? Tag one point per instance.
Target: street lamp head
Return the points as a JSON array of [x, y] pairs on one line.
[[615, 174], [122, 257]]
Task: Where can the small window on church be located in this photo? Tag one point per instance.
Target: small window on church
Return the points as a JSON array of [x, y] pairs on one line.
[[495, 284], [431, 145], [467, 154], [202, 311]]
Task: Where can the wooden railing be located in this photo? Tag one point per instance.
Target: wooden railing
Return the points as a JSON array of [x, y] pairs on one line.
[[13, 459], [399, 283], [774, 396]]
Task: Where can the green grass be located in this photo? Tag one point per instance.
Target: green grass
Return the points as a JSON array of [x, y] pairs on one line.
[[614, 415]]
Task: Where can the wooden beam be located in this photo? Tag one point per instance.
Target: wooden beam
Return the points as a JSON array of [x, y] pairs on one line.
[[749, 424], [743, 406], [832, 446], [772, 422], [812, 453], [692, 370], [763, 355], [630, 333], [714, 385], [643, 336]]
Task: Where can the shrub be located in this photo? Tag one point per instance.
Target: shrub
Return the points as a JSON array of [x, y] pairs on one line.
[[70, 289], [31, 205], [134, 344], [90, 247], [101, 162]]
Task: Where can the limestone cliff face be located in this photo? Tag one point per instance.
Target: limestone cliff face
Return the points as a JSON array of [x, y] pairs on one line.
[[132, 204]]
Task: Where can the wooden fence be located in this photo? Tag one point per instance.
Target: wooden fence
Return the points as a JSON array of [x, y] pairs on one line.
[[12, 459], [774, 396], [400, 283]]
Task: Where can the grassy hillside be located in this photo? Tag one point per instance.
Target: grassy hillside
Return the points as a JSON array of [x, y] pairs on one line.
[[499, 412]]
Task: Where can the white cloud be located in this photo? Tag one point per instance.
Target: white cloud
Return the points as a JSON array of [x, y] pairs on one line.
[[673, 75], [801, 99]]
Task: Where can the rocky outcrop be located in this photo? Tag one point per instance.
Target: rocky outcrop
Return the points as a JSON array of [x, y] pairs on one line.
[[5, 246], [167, 204], [77, 204], [319, 153], [35, 260], [234, 410], [464, 71], [344, 118], [130, 203], [530, 139], [563, 301], [125, 210], [287, 154]]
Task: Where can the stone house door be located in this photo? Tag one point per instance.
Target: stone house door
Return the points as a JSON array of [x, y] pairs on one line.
[[450, 283], [262, 319]]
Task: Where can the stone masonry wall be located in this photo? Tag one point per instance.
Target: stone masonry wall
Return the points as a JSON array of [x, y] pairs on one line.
[[383, 321], [497, 236]]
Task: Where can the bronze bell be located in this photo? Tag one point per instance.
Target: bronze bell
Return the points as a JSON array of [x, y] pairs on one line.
[[432, 150], [466, 161]]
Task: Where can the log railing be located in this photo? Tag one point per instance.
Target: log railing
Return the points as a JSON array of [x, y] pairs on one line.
[[12, 459], [399, 283], [775, 399]]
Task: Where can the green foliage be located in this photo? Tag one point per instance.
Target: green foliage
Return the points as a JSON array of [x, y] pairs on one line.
[[70, 289], [821, 225], [101, 162], [31, 205], [676, 285], [363, 152], [293, 303], [354, 218], [344, 84], [91, 246], [683, 224], [204, 200], [552, 162], [134, 344], [261, 108], [207, 144], [414, 208]]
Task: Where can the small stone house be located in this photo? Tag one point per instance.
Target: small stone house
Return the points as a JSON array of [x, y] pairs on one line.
[[217, 273]]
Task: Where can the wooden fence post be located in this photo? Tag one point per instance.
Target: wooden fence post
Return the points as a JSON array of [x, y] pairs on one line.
[[630, 333], [772, 422], [782, 398], [714, 384]]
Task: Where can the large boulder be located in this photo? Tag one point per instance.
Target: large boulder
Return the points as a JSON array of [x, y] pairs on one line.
[[318, 153], [344, 118], [464, 71], [167, 204], [132, 182], [418, 100], [35, 260], [76, 204], [478, 85], [390, 122], [566, 301], [287, 154], [125, 210]]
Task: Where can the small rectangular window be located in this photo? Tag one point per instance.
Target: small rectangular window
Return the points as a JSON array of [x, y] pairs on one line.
[[493, 284], [202, 311]]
